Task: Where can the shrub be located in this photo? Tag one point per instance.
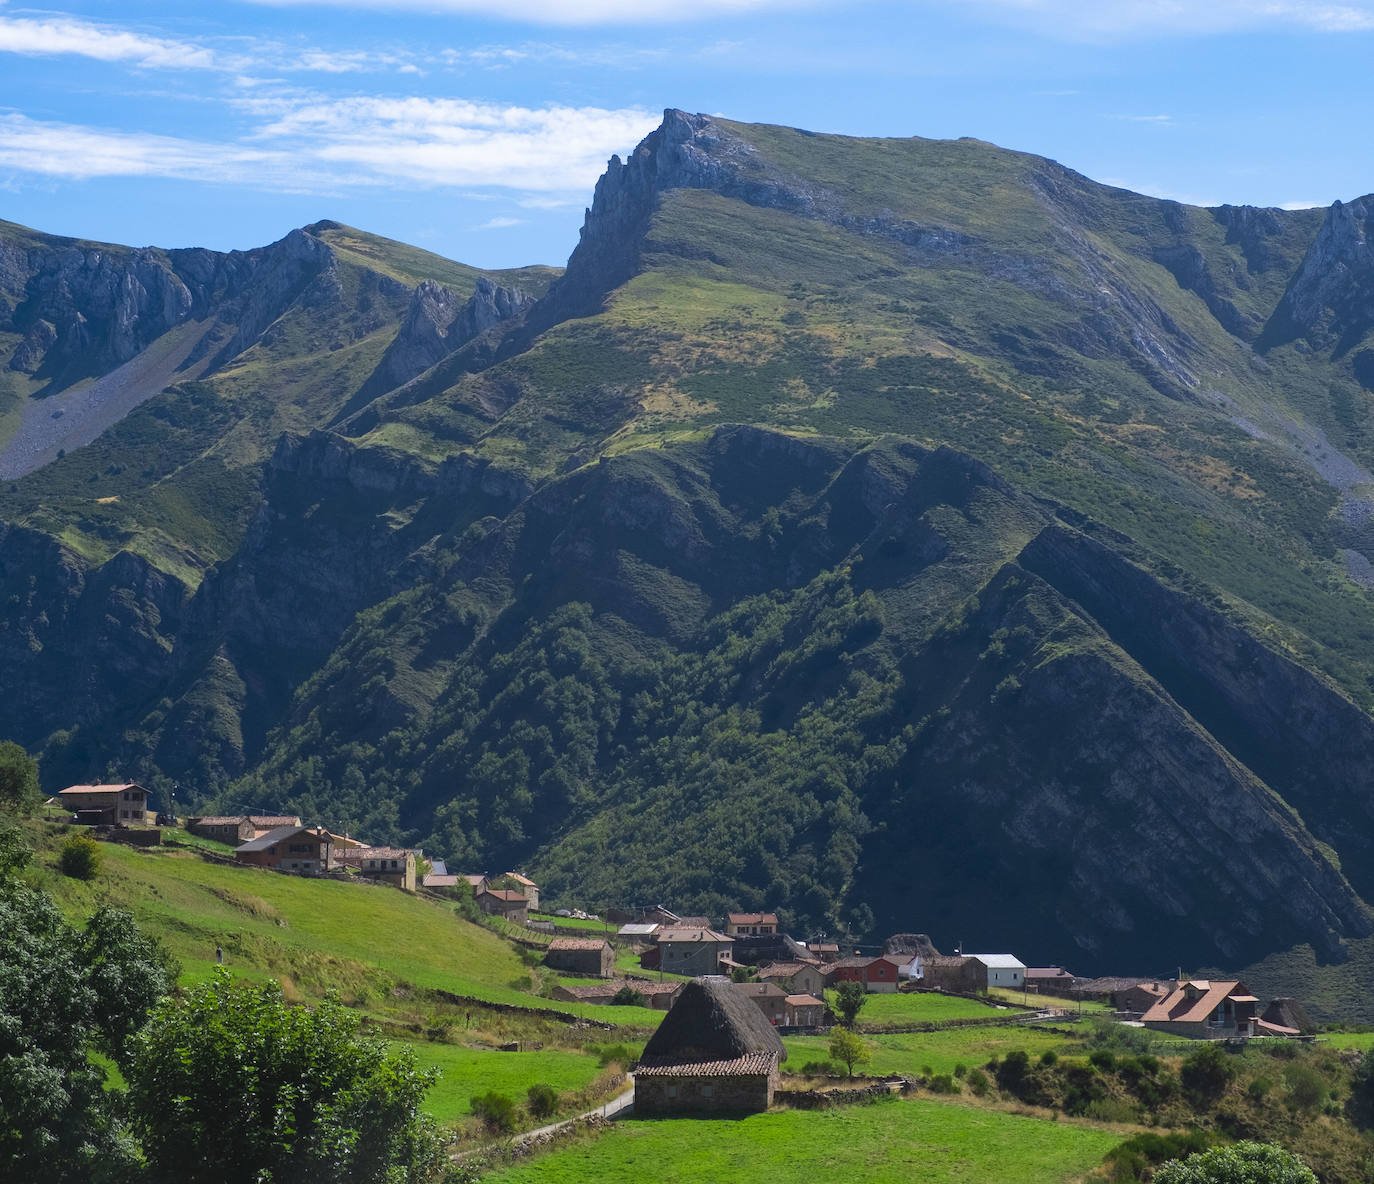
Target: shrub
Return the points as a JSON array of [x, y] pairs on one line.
[[1011, 1073], [1102, 1058], [960, 1069], [1136, 1158], [627, 997], [542, 1100], [978, 1082], [1110, 1110], [1307, 1088], [821, 1069], [943, 1084], [621, 1054], [1258, 1089], [1241, 1163], [1049, 1057], [80, 858], [495, 1109], [1206, 1073]]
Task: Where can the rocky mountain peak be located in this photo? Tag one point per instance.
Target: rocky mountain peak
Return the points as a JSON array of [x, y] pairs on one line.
[[1330, 301]]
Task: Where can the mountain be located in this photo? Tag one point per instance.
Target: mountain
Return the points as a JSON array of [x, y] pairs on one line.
[[882, 531]]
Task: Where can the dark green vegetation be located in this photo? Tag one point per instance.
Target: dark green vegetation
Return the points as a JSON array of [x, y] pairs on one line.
[[263, 1091], [855, 528]]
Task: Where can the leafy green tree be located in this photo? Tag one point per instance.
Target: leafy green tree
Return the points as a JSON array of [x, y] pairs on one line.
[[1240, 1163], [847, 1048], [627, 996], [495, 1109], [18, 778], [79, 858], [65, 993], [850, 998], [265, 1092]]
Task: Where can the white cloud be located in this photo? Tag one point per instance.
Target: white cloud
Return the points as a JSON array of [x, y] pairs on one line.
[[500, 223], [1116, 19], [569, 12], [66, 150], [458, 143], [308, 144], [64, 35], [1304, 204]]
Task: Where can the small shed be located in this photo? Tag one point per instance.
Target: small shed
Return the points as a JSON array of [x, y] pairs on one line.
[[769, 998], [504, 902], [713, 1053], [583, 956]]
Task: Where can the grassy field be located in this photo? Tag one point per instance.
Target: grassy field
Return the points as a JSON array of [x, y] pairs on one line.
[[912, 1053], [892, 1142], [921, 1008], [313, 935], [469, 1071]]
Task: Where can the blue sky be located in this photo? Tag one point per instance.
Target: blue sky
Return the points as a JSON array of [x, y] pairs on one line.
[[477, 128]]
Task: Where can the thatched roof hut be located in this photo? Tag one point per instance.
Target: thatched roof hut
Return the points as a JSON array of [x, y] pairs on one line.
[[710, 1022], [714, 1052], [1289, 1013]]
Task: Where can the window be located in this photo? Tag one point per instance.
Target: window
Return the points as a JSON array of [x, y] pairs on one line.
[[672, 1091], [706, 1090]]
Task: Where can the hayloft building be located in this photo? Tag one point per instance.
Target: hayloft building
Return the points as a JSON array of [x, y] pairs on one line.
[[714, 1052]]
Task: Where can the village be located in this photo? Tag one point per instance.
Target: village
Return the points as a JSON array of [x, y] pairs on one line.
[[730, 986]]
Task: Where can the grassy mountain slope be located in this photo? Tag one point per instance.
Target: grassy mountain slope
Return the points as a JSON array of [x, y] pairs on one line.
[[854, 527]]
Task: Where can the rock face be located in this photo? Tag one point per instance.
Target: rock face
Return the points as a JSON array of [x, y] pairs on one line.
[[1330, 301], [438, 324]]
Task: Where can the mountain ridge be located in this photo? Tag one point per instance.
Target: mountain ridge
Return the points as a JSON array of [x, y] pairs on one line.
[[848, 516]]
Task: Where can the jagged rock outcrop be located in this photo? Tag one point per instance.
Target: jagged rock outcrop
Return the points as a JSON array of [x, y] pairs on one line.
[[437, 324], [1330, 301]]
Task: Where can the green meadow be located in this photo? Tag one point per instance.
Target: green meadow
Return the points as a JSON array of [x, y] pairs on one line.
[[922, 1008], [911, 1054], [894, 1141]]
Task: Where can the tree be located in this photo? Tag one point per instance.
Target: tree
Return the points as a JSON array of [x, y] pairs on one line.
[[79, 858], [1206, 1073], [18, 778], [847, 1048], [627, 996], [850, 998], [267, 1092], [1240, 1163], [65, 993]]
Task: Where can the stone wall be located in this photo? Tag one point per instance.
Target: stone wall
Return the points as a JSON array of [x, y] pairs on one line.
[[704, 1095]]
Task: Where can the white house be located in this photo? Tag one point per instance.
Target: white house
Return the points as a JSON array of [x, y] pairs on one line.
[[912, 969], [1003, 970]]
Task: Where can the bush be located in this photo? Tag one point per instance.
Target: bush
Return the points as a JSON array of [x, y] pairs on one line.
[[943, 1084], [80, 858], [1258, 1089], [1307, 1088], [1102, 1058], [495, 1109], [621, 1054], [627, 997], [978, 1082], [1206, 1073], [1049, 1057], [822, 1069], [1242, 1163], [1110, 1110], [1011, 1073], [542, 1100], [1136, 1158]]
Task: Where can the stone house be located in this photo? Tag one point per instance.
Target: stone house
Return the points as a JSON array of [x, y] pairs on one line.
[[800, 978], [504, 902], [522, 884], [391, 865], [769, 998], [804, 1011], [1139, 997], [1049, 980], [692, 950], [955, 973], [751, 924], [233, 829], [125, 804], [1206, 1009], [289, 849], [713, 1053], [585, 957], [262, 823]]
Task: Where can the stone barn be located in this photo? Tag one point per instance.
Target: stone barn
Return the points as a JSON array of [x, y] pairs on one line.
[[714, 1053], [583, 956]]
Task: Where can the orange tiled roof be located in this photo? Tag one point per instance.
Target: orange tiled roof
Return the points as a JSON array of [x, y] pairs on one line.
[[1192, 1002], [577, 943]]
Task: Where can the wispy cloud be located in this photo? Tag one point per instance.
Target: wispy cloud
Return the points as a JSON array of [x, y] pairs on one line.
[[1158, 120], [1303, 204], [1124, 19], [57, 36], [500, 223], [569, 12], [459, 143], [303, 143]]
